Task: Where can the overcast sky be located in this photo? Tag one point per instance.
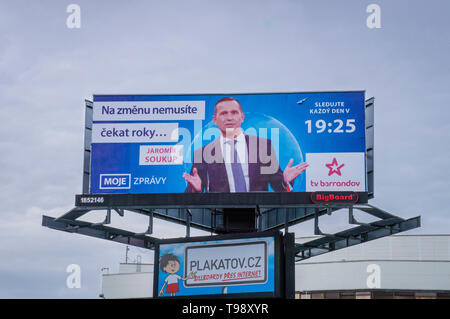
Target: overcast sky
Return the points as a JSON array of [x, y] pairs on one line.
[[156, 47]]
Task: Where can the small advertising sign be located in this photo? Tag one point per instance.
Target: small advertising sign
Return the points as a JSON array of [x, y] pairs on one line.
[[217, 267]]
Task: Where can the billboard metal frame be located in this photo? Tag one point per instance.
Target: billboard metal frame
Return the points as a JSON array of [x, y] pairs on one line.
[[267, 219], [209, 214]]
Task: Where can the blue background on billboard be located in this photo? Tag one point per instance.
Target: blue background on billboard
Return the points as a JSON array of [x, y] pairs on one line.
[[265, 110]]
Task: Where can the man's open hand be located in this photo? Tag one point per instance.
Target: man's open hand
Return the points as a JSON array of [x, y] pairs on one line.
[[194, 180], [290, 173]]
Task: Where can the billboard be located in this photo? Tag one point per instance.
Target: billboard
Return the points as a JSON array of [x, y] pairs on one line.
[[230, 265], [228, 143]]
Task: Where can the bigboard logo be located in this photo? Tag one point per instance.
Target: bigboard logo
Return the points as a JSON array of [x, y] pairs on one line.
[[115, 181], [334, 197]]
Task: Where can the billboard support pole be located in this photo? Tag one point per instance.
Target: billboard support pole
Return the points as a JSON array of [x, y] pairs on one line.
[[289, 265], [258, 218], [352, 220], [119, 211], [213, 220], [286, 221], [316, 223], [150, 223], [188, 222]]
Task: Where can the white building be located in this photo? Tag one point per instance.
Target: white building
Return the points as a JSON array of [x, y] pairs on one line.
[[399, 266], [396, 266]]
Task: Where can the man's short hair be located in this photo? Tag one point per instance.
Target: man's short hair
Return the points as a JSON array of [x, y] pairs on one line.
[[226, 99]]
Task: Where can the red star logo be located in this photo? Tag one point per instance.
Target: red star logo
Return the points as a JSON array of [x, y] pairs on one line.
[[334, 168]]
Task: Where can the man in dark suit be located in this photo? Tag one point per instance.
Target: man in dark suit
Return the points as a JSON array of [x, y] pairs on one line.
[[237, 162]]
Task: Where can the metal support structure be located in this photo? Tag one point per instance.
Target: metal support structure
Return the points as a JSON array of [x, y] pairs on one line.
[[286, 221], [100, 231], [188, 222], [120, 211], [88, 115], [150, 224], [107, 219], [267, 218], [387, 225], [258, 218]]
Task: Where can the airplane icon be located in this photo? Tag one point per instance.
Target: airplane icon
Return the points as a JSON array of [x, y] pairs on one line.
[[301, 101]]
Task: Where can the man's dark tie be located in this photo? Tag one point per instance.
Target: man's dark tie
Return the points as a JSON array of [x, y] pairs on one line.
[[238, 174]]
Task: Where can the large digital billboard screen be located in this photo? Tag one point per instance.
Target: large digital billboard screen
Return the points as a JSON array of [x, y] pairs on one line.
[[218, 267], [228, 143]]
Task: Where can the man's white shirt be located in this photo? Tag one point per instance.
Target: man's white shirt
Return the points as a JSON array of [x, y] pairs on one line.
[[227, 152]]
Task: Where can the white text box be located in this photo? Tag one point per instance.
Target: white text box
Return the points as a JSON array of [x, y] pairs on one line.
[[134, 132], [149, 110], [335, 172], [227, 264]]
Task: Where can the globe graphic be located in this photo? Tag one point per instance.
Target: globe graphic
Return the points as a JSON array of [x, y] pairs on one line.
[[284, 143]]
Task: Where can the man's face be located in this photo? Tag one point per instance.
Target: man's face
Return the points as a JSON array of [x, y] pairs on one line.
[[172, 267], [228, 117]]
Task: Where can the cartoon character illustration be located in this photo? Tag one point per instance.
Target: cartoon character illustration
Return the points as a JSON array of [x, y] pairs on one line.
[[170, 264]]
